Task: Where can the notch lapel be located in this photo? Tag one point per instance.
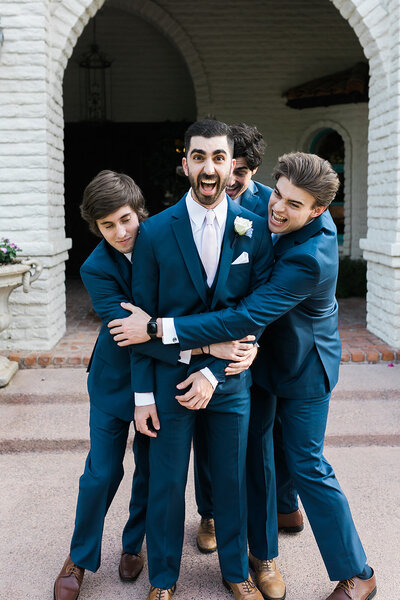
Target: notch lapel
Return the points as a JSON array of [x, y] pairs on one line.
[[184, 237]]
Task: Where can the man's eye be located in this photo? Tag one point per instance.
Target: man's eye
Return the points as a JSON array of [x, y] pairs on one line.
[[220, 158]]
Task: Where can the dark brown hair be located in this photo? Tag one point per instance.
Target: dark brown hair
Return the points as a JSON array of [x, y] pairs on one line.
[[208, 128], [106, 193], [311, 173], [249, 144]]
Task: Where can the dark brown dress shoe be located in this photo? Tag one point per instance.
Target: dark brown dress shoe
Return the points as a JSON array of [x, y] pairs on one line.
[[206, 540], [69, 581], [292, 522], [160, 594], [244, 590], [130, 566], [355, 589]]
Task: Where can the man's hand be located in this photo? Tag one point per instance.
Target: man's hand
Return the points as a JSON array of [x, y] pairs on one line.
[[237, 350], [146, 420], [199, 394], [237, 367], [132, 329]]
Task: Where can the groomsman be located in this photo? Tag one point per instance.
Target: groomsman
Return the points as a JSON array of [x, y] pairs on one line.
[[113, 206], [248, 151], [297, 365], [203, 253]]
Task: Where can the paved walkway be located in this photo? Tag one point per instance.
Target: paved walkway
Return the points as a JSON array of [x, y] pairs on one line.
[[43, 444], [74, 349]]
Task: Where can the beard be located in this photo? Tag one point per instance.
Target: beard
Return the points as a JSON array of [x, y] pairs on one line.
[[207, 199]]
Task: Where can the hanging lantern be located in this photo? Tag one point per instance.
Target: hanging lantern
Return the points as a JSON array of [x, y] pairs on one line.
[[95, 83]]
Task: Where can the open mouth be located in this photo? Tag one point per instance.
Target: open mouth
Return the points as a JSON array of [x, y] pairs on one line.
[[277, 219], [207, 187], [232, 190]]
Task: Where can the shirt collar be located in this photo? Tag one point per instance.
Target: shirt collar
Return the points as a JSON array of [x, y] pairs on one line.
[[197, 212]]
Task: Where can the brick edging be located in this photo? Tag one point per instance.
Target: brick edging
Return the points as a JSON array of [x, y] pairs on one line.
[[41, 360]]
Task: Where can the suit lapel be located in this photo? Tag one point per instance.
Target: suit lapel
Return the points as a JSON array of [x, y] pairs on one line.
[[124, 267], [184, 237], [226, 251], [250, 197]]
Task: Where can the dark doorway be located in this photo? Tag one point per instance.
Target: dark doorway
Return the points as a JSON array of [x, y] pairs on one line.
[[148, 152]]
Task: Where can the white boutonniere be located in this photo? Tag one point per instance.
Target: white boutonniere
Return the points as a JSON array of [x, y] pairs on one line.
[[243, 227]]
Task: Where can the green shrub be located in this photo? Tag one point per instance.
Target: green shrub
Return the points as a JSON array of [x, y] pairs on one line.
[[352, 279]]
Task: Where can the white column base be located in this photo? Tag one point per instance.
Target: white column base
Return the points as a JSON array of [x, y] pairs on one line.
[[8, 368]]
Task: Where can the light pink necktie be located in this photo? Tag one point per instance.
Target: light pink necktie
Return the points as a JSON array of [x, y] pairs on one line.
[[209, 247]]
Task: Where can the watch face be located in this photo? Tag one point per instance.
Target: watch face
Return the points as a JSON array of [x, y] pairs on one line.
[[152, 327]]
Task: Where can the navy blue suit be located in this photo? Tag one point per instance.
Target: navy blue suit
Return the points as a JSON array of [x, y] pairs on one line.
[[170, 280], [298, 364], [255, 199], [107, 276]]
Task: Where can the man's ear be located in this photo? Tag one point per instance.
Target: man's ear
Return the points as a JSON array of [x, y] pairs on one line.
[[254, 171], [317, 211], [184, 166]]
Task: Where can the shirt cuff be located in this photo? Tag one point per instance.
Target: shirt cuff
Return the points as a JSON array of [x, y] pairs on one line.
[[144, 398], [209, 375], [169, 332], [185, 357]]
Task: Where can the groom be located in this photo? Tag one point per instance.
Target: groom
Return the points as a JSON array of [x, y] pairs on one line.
[[192, 258]]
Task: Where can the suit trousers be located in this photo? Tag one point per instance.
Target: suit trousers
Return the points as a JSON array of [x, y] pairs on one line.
[[97, 487], [303, 423], [226, 427], [285, 488]]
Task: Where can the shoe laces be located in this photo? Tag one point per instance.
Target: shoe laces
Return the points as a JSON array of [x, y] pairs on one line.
[[208, 525], [248, 586], [346, 585], [160, 593], [74, 570], [267, 565]]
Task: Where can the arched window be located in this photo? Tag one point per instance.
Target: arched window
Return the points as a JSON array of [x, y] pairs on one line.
[[329, 144]]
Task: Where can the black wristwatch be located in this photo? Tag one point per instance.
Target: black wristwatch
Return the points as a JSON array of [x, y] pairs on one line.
[[152, 328]]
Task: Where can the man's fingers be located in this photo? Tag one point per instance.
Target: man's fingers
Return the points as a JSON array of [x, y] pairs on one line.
[[155, 420], [248, 338], [144, 428], [115, 323], [128, 306], [184, 384]]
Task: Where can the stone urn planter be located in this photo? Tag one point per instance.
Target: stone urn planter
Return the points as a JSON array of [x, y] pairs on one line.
[[21, 272]]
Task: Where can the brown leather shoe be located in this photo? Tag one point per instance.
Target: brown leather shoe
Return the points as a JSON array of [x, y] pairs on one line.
[[160, 594], [292, 522], [245, 590], [206, 540], [268, 578], [69, 581], [355, 589], [130, 566]]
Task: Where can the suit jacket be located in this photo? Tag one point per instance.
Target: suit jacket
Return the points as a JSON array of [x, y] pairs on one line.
[[300, 350], [169, 280], [107, 276], [256, 198]]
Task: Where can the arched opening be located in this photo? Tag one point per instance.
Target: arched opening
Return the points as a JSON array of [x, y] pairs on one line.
[[329, 144], [150, 101]]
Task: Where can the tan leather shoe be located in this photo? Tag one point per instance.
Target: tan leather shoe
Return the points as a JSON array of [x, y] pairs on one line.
[[292, 522], [245, 590], [69, 581], [268, 578], [355, 589], [206, 540], [160, 594], [130, 566]]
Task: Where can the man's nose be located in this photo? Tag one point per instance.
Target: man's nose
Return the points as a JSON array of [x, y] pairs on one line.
[[121, 231], [209, 168], [231, 180]]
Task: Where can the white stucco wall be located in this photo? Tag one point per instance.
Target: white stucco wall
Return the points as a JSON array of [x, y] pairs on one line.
[[240, 62]]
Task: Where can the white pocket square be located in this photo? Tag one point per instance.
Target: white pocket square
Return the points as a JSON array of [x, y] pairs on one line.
[[240, 260]]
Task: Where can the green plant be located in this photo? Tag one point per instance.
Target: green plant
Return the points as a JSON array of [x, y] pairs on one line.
[[8, 251], [352, 279]]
